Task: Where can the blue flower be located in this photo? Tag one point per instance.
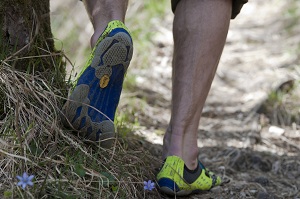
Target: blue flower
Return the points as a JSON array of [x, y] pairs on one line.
[[149, 185], [25, 180]]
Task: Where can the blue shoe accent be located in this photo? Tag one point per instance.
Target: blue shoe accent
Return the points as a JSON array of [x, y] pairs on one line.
[[168, 183]]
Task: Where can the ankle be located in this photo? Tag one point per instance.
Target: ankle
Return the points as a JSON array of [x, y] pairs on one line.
[[101, 27], [190, 156], [166, 143], [191, 164], [172, 144], [94, 38]]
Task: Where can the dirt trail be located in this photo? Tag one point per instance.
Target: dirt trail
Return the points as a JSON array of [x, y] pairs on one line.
[[254, 62], [234, 139]]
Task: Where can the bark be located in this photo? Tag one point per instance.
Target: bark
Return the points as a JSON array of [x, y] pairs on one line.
[[26, 39], [26, 43]]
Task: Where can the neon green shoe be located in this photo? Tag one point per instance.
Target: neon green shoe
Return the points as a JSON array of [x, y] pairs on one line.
[[91, 107], [171, 178]]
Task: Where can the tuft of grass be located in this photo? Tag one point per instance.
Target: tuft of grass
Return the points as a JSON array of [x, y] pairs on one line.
[[282, 106], [32, 140]]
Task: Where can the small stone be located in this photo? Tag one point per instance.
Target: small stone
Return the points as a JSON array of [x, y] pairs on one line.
[[276, 131], [276, 167], [253, 191], [243, 194], [216, 189], [262, 180], [264, 195]]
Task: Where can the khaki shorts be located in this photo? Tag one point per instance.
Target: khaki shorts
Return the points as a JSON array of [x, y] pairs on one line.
[[236, 6]]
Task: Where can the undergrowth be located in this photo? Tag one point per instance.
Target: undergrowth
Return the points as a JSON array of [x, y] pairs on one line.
[[33, 140]]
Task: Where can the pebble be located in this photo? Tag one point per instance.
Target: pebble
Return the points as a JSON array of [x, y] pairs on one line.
[[264, 195], [262, 180]]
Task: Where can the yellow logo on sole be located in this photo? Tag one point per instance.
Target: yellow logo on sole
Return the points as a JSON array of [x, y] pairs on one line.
[[104, 81]]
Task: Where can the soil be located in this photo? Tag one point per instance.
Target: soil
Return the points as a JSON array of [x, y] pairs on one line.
[[238, 138], [241, 135]]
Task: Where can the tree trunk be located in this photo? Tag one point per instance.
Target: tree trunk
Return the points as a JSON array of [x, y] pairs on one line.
[[26, 44], [26, 38]]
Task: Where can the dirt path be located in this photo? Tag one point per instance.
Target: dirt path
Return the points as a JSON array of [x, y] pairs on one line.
[[234, 139]]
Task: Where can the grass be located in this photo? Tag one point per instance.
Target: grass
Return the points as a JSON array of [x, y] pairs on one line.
[[34, 141], [282, 107], [64, 166]]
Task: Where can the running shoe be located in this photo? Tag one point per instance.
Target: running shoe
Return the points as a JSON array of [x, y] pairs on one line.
[[175, 178], [91, 107]]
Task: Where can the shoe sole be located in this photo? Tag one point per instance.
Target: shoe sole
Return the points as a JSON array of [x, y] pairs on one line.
[[114, 53], [169, 191]]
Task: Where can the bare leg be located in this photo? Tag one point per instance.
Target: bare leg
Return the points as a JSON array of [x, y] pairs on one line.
[[101, 12], [200, 30]]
